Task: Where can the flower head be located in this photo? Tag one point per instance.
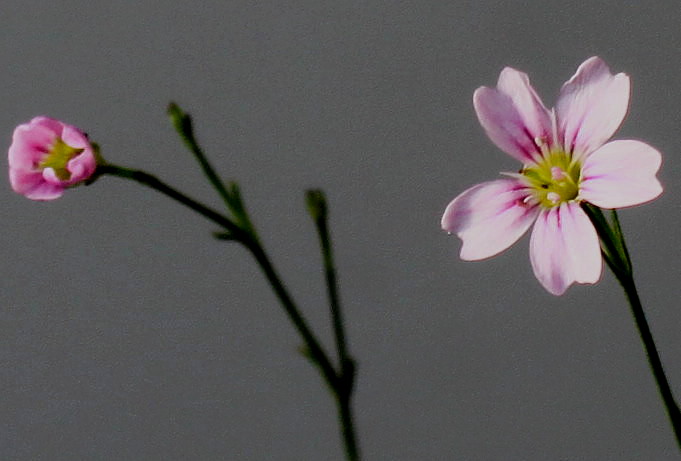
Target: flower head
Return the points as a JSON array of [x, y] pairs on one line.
[[47, 156], [566, 160]]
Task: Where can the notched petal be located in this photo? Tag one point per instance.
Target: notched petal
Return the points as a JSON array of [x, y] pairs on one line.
[[564, 248], [621, 174], [591, 106], [489, 217], [513, 116]]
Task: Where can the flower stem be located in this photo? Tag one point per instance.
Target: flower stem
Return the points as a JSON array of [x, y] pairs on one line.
[[183, 125], [316, 203], [653, 357], [339, 381], [182, 122], [617, 257], [155, 183]]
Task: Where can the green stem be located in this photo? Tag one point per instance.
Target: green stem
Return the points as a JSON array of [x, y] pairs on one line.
[[617, 257], [345, 412], [315, 350], [230, 195], [317, 206], [183, 125], [340, 382], [313, 345], [154, 183], [316, 203], [653, 357]]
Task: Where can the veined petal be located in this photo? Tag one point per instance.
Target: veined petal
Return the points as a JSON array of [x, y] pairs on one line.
[[74, 137], [45, 191], [621, 174], [536, 117], [514, 116], [489, 217], [33, 185], [23, 181], [82, 166], [564, 248], [591, 106], [29, 145], [47, 156], [48, 123]]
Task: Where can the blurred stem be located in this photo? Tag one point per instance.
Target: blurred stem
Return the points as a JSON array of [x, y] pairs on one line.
[[617, 257], [341, 381], [316, 204], [154, 183], [182, 122]]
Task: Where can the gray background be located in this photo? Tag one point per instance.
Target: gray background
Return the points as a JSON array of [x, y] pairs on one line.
[[127, 332]]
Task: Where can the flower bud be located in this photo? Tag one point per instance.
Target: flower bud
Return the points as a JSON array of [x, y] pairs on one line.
[[47, 156]]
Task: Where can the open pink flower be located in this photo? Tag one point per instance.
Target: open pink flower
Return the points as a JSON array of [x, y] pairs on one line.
[[565, 160], [47, 156]]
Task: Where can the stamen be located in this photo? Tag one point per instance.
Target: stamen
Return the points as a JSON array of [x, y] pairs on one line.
[[542, 143], [557, 173], [58, 158]]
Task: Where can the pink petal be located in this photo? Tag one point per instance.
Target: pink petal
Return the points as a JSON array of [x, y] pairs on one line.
[[489, 217], [621, 174], [82, 166], [29, 145], [564, 248], [33, 185], [45, 191], [513, 115], [23, 180], [49, 123], [51, 177], [536, 117], [74, 137], [591, 106]]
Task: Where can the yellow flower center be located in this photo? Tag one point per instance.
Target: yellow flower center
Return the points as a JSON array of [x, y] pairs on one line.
[[58, 157], [555, 179]]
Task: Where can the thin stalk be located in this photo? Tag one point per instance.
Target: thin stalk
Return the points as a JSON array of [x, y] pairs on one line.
[[349, 438], [340, 382], [315, 350], [317, 206], [653, 356], [153, 182], [317, 354], [316, 203], [230, 195], [183, 125], [617, 257]]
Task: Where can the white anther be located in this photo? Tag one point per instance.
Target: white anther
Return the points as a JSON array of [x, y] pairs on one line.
[[553, 197], [557, 173], [540, 141]]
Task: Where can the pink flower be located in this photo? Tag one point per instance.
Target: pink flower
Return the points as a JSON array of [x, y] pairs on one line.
[[565, 160], [47, 156]]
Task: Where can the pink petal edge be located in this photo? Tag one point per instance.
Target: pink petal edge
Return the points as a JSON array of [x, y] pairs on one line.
[[621, 174], [31, 142], [489, 218], [513, 116], [564, 248], [591, 106]]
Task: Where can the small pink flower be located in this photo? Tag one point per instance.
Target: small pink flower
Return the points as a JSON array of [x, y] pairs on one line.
[[47, 156], [565, 160]]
